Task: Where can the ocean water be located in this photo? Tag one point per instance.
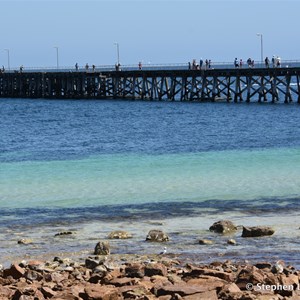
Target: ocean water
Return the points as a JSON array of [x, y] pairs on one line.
[[97, 166]]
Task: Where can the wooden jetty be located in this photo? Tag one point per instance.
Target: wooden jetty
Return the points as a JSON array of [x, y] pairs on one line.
[[241, 84]]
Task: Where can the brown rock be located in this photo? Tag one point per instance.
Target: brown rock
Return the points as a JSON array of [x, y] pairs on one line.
[[48, 292], [213, 282], [135, 270], [290, 280], [119, 234], [183, 289], [102, 248], [209, 295], [155, 269], [196, 272], [157, 236], [98, 292], [124, 281], [249, 274], [15, 271], [6, 292], [257, 231], [135, 292], [224, 226]]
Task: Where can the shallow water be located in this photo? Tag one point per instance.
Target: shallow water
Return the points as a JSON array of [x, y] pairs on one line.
[[97, 166]]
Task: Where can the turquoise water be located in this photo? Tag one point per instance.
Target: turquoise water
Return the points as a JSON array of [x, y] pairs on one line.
[[136, 179], [97, 166]]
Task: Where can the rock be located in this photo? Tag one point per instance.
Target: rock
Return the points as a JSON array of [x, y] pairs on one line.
[[15, 271], [91, 263], [257, 231], [205, 242], [157, 236], [119, 234], [224, 226], [196, 272], [209, 295], [249, 274], [25, 241], [98, 292], [64, 233], [211, 281], [102, 248], [182, 289], [155, 269], [278, 267], [231, 242], [47, 292], [33, 275], [6, 292], [263, 265], [135, 270]]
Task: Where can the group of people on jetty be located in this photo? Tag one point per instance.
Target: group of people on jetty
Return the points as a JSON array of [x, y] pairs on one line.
[[204, 65], [195, 66], [276, 62]]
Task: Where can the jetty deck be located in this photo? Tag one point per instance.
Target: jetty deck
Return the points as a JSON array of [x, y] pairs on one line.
[[226, 84]]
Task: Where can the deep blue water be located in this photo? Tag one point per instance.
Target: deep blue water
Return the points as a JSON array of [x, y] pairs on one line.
[[58, 130]]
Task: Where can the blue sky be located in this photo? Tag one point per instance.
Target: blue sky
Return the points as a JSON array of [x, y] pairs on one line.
[[161, 31]]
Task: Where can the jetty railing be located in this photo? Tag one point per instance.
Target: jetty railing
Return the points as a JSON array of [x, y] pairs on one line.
[[147, 66]]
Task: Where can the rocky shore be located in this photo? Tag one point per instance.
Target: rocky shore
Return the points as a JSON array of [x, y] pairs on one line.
[[164, 276], [113, 277]]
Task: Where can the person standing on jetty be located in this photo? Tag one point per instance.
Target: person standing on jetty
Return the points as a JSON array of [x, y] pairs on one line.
[[76, 66], [235, 63], [201, 63], [267, 62]]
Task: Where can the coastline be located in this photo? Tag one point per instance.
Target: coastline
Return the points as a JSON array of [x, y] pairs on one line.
[[149, 277], [184, 233]]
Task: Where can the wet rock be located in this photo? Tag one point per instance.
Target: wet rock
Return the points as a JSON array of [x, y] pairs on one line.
[[231, 242], [224, 226], [205, 242], [64, 233], [102, 248], [257, 231], [25, 241], [157, 236], [120, 234]]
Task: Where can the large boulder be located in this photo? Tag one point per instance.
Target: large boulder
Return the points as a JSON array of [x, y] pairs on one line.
[[224, 226], [257, 231], [157, 236], [102, 248]]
